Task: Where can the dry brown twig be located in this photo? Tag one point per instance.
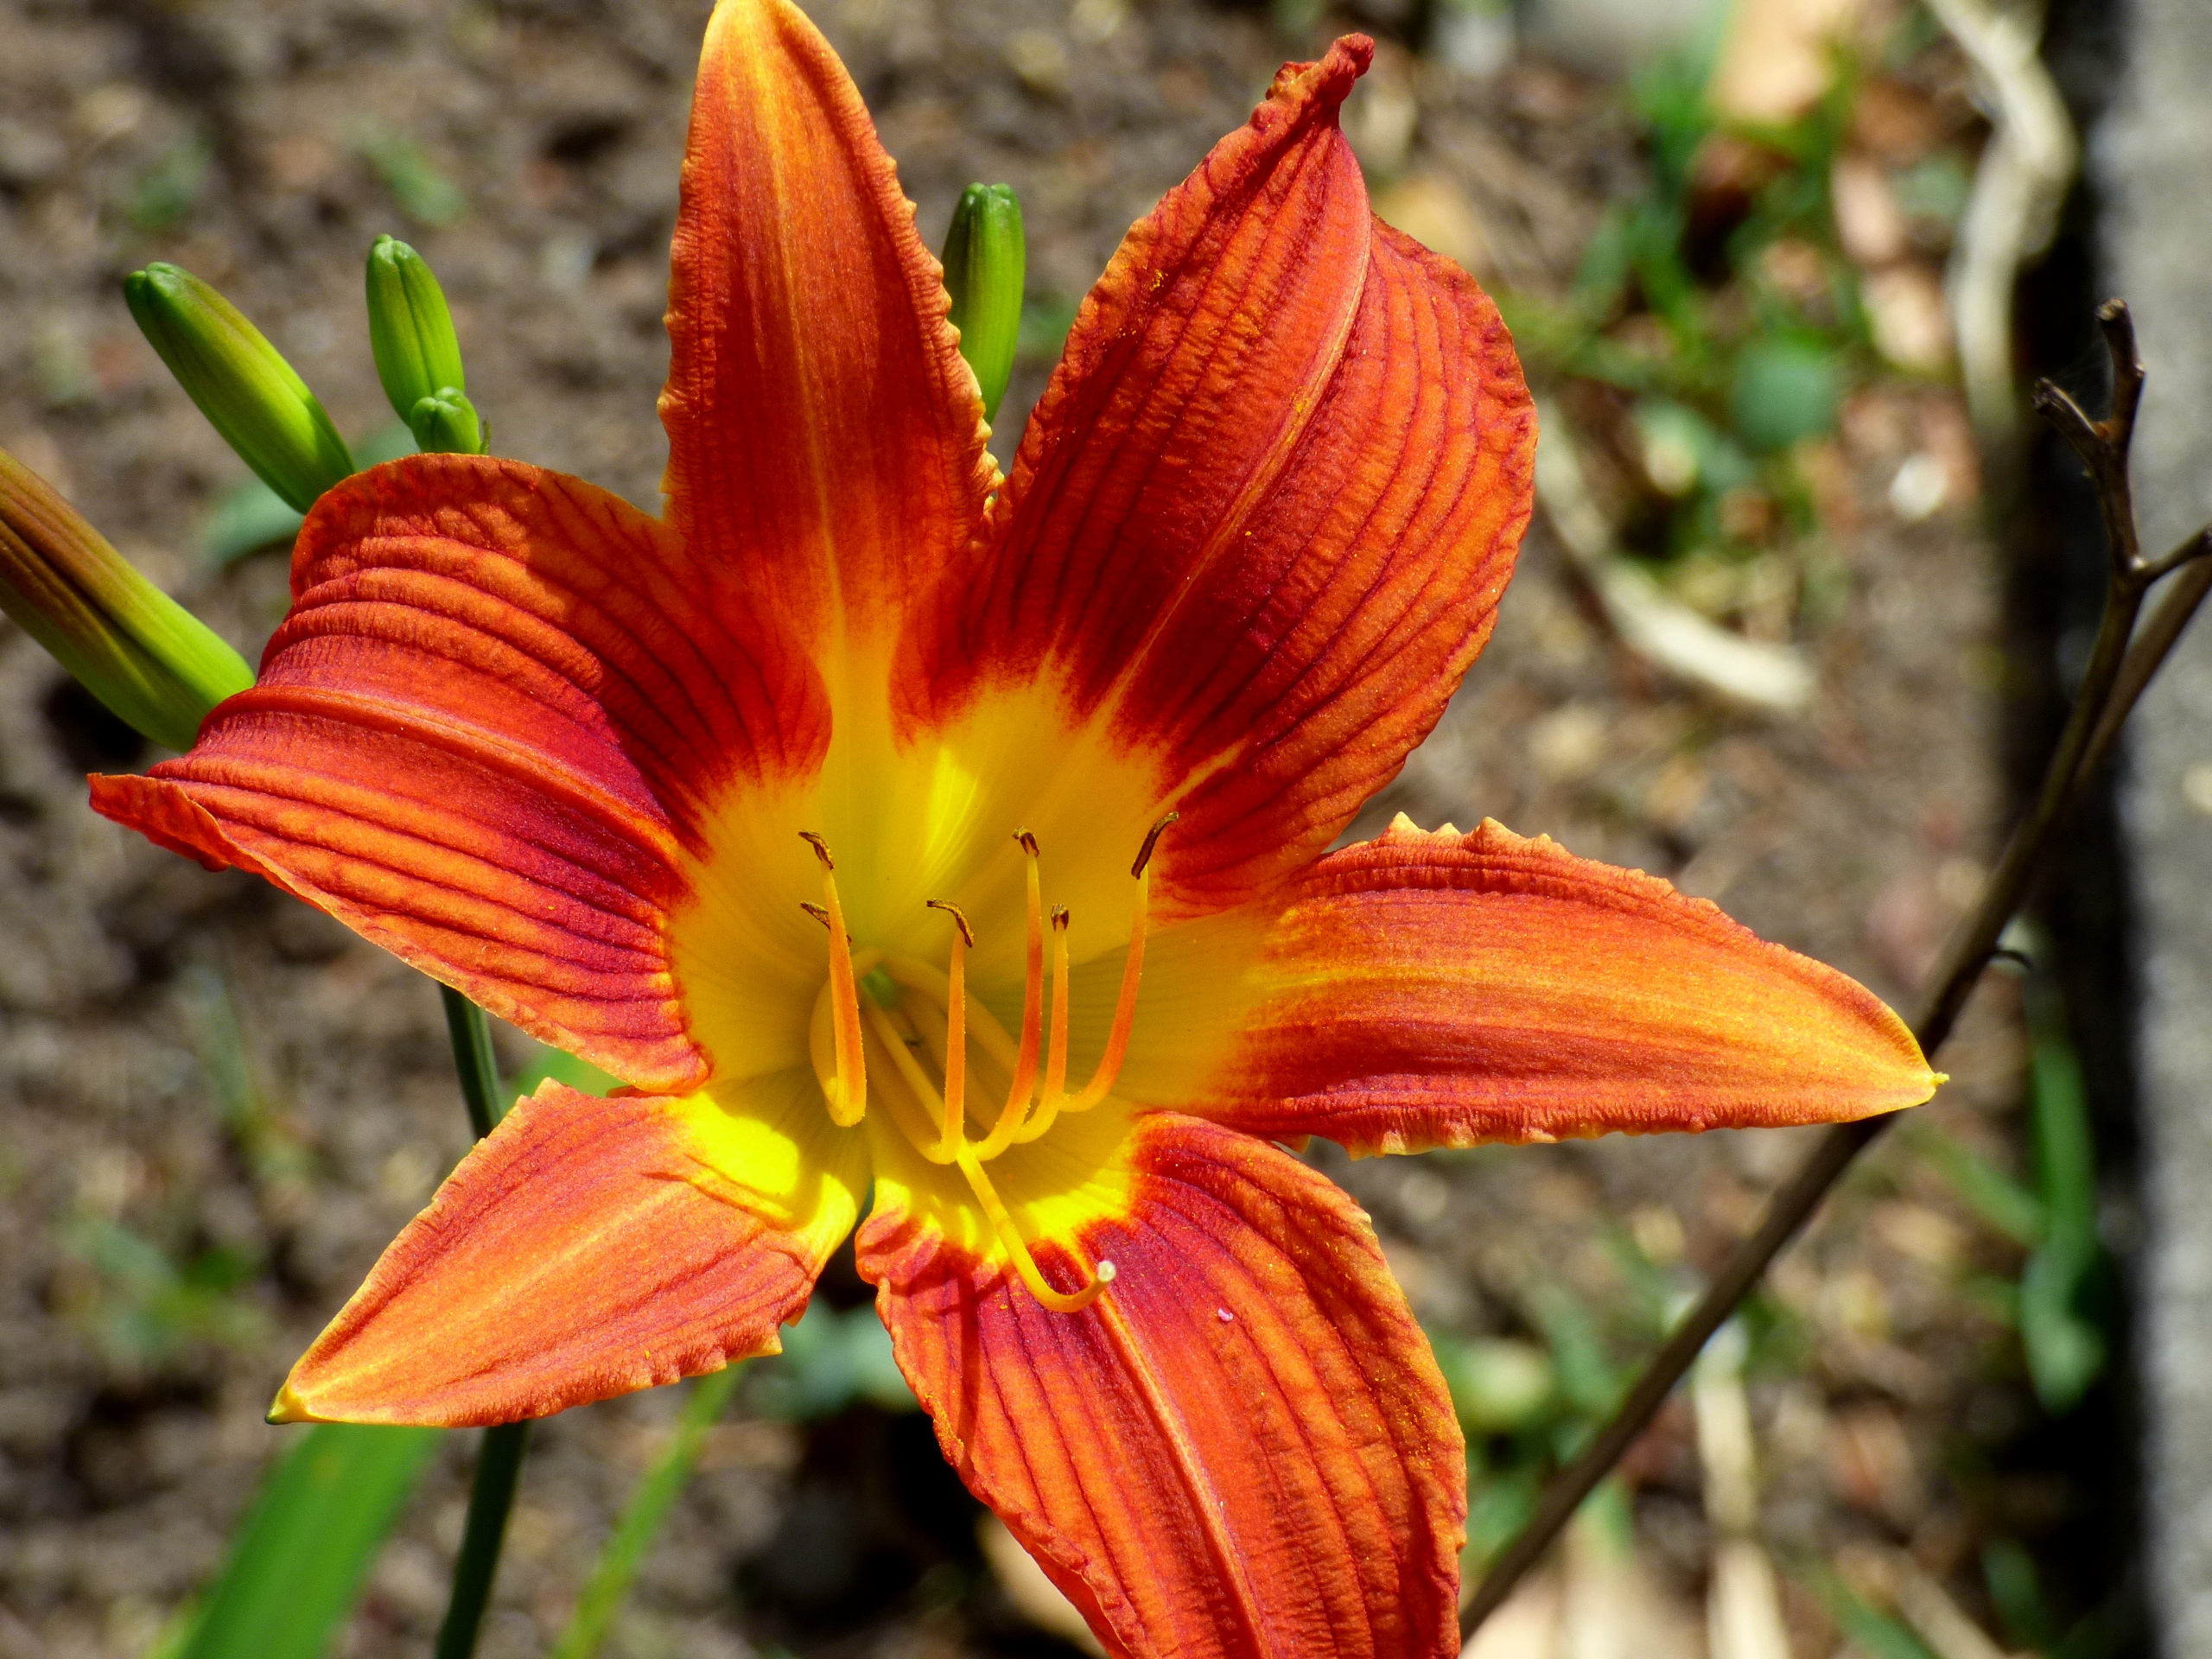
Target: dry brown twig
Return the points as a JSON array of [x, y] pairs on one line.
[[2121, 664], [1773, 678], [2018, 189]]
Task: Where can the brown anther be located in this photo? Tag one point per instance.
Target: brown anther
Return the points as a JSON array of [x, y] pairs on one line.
[[821, 848], [952, 910], [1060, 918], [1151, 840], [820, 912], [1028, 842]]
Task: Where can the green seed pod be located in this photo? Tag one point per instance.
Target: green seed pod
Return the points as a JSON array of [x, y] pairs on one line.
[[445, 424], [410, 330], [248, 392], [984, 259], [132, 646]]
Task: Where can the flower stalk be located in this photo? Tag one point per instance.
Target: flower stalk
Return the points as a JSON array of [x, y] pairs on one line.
[[491, 1500], [151, 661]]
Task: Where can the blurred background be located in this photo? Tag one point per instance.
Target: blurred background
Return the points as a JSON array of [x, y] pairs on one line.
[[1790, 629]]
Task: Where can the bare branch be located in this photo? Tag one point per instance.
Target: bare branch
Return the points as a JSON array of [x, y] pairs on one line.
[[2056, 405], [2147, 651], [2188, 553], [2118, 330], [2117, 674]]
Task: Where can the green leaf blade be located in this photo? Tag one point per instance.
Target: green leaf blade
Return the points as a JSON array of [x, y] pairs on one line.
[[297, 1563]]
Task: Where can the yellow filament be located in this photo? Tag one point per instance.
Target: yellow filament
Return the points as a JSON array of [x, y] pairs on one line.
[[1007, 1128], [915, 1109], [1125, 1008], [956, 1029], [955, 1136], [1056, 1063], [909, 1072], [931, 986], [847, 1098], [1060, 1301]]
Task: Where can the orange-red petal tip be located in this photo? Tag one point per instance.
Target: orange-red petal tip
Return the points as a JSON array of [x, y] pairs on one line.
[[1444, 990]]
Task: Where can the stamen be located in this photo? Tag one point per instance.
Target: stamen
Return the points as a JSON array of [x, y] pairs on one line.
[[929, 985], [907, 1093], [1004, 1132], [1061, 1302], [952, 1143], [955, 1030], [1125, 1008], [1151, 839], [847, 1098], [1056, 1062]]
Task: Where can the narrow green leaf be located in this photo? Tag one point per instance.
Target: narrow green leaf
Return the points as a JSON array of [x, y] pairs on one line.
[[297, 1563], [616, 1566], [249, 516], [2001, 1202], [1868, 1628], [2065, 1348], [580, 1075]]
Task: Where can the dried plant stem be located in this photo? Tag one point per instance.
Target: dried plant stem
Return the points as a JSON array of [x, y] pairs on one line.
[[2121, 665], [499, 1460]]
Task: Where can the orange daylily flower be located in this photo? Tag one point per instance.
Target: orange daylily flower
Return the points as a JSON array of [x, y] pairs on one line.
[[826, 812]]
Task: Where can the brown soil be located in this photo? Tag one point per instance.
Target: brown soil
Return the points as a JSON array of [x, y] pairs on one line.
[[1853, 833]]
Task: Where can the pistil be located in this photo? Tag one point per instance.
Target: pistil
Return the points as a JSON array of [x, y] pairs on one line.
[[934, 1119], [955, 1138]]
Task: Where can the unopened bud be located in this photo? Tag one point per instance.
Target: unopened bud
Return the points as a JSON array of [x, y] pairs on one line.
[[446, 424], [984, 266], [132, 646], [248, 392], [411, 332]]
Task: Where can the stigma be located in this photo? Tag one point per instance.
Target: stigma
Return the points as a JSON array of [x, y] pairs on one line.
[[898, 1032]]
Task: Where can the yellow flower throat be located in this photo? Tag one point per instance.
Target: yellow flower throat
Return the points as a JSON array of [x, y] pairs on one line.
[[880, 1016]]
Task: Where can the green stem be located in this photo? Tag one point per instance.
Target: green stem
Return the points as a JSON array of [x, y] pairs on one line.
[[498, 1463], [625, 1551], [490, 1498], [473, 1058]]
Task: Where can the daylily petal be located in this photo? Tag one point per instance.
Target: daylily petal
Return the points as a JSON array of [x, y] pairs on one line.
[[586, 1248], [1424, 990], [825, 439], [1261, 517], [482, 737], [1244, 1448]]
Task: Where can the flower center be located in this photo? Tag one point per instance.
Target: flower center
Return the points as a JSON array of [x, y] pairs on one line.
[[904, 1027]]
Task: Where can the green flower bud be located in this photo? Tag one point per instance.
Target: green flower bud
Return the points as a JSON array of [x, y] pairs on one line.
[[445, 424], [248, 392], [984, 257], [132, 646], [410, 330]]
